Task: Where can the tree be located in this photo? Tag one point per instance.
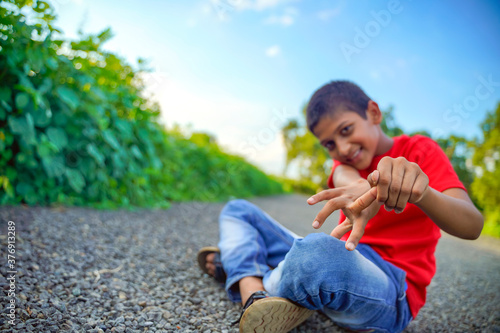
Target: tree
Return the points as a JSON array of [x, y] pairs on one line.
[[486, 185], [304, 150], [389, 124], [459, 151]]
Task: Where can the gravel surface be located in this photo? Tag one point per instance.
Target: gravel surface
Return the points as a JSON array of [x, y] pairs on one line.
[[85, 270]]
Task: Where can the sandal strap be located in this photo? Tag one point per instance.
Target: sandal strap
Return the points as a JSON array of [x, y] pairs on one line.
[[220, 274], [254, 297]]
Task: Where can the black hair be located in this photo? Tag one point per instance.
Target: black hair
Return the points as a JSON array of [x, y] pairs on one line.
[[333, 96]]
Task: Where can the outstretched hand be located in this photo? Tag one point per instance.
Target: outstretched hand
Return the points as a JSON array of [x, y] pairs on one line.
[[353, 200], [395, 183]]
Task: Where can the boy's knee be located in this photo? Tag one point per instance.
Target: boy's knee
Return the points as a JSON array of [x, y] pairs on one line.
[[317, 251], [313, 263], [240, 209], [236, 205]]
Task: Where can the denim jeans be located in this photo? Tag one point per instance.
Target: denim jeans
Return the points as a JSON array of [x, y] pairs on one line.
[[356, 289]]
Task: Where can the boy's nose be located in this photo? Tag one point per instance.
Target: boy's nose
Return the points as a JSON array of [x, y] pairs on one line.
[[344, 149]]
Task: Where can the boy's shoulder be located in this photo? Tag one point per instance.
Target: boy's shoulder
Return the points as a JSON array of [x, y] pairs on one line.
[[415, 139], [417, 146]]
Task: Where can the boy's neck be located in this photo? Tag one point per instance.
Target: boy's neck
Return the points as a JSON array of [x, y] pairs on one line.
[[384, 143]]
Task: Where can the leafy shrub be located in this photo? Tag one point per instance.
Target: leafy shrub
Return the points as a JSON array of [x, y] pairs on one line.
[[486, 160], [76, 129]]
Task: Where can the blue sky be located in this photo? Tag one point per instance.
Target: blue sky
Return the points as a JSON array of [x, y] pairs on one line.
[[238, 69]]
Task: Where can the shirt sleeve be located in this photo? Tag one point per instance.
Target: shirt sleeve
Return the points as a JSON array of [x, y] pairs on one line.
[[434, 163]]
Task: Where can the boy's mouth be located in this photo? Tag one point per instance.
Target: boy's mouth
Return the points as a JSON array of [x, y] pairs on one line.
[[354, 156]]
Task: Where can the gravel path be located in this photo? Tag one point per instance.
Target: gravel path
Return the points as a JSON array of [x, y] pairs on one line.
[[84, 270]]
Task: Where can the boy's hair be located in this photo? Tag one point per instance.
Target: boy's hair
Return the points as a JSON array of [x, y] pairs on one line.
[[333, 96]]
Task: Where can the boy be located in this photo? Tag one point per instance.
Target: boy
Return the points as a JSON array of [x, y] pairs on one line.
[[372, 274]]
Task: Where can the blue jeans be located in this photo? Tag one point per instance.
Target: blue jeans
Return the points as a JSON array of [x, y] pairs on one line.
[[356, 289]]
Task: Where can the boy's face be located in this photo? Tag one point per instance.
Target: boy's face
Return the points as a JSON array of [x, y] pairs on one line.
[[349, 138]]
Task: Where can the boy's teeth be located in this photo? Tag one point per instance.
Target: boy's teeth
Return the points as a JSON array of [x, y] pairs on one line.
[[355, 154]]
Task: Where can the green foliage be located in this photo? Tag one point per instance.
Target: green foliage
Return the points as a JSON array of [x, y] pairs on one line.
[[486, 185], [305, 151], [75, 128], [301, 186], [459, 151], [389, 124]]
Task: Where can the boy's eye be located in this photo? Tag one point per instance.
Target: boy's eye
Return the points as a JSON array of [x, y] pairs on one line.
[[330, 145], [346, 130]]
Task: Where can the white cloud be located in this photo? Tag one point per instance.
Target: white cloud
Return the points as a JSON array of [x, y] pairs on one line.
[[284, 20], [254, 4], [224, 9], [273, 51], [328, 14], [287, 19]]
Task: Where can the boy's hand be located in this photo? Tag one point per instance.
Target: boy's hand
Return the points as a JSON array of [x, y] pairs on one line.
[[395, 183], [357, 216], [353, 201], [399, 182]]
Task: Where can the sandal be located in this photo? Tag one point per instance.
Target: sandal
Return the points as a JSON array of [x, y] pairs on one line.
[[271, 314], [254, 297], [220, 274]]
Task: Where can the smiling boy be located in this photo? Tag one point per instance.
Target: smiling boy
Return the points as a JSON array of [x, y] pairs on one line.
[[373, 273]]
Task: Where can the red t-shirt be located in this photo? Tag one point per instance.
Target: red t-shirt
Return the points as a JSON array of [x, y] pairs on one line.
[[408, 240]]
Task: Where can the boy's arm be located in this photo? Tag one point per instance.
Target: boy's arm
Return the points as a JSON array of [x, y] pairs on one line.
[[453, 211], [396, 182], [344, 175], [400, 181]]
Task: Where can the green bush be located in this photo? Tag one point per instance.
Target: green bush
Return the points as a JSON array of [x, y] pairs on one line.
[[486, 160], [76, 129]]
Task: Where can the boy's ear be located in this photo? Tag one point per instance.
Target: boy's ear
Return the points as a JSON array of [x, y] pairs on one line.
[[373, 113]]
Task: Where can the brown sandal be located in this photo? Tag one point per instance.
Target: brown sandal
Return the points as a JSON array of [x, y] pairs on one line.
[[220, 274]]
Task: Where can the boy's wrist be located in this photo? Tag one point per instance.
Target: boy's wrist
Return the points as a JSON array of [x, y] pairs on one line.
[[426, 196]]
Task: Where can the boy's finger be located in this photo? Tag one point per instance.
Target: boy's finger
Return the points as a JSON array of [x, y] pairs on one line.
[[341, 229], [373, 178], [363, 201], [405, 192], [398, 174], [358, 230], [419, 187], [384, 180], [327, 210], [324, 195]]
